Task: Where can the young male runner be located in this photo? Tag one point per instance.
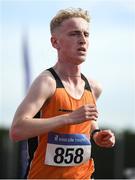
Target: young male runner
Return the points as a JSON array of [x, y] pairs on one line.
[[66, 100]]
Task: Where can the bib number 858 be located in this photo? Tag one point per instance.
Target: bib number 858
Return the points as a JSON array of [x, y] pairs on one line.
[[68, 155]]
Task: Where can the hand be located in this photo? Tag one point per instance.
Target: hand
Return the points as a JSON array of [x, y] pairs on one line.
[[104, 138], [84, 113]]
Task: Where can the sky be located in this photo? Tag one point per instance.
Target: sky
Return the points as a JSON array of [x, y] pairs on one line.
[[110, 59]]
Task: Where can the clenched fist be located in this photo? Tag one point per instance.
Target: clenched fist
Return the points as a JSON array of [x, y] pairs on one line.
[[104, 138], [84, 113]]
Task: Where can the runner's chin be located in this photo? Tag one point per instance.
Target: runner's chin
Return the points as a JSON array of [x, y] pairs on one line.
[[81, 59]]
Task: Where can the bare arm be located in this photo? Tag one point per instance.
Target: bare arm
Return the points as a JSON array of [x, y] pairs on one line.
[[103, 138], [96, 90], [25, 126]]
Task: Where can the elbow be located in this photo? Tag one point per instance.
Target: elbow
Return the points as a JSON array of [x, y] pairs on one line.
[[15, 134]]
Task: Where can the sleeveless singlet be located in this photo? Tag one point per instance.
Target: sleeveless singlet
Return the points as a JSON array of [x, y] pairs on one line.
[[63, 153]]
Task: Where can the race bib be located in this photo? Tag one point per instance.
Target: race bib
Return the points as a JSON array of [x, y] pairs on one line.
[[67, 149]]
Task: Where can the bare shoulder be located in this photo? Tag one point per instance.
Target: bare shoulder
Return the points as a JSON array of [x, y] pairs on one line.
[[42, 88], [46, 77], [96, 87], [44, 83]]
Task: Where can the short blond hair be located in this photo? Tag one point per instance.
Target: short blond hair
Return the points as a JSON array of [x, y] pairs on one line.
[[66, 14]]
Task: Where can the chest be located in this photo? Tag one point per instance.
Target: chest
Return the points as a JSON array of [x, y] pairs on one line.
[[75, 92], [62, 101]]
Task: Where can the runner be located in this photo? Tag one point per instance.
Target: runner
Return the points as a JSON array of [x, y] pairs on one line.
[[66, 102]]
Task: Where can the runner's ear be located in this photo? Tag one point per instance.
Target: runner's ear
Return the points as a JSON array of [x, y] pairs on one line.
[[55, 42]]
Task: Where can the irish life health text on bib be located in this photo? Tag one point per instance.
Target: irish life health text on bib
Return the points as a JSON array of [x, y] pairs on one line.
[[67, 149]]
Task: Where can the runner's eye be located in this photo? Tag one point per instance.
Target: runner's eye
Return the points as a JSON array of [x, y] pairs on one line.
[[73, 34], [86, 34]]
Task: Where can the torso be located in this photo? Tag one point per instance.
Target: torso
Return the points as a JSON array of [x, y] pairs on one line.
[[47, 162]]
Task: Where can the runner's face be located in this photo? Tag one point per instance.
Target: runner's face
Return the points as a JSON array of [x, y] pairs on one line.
[[73, 40]]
